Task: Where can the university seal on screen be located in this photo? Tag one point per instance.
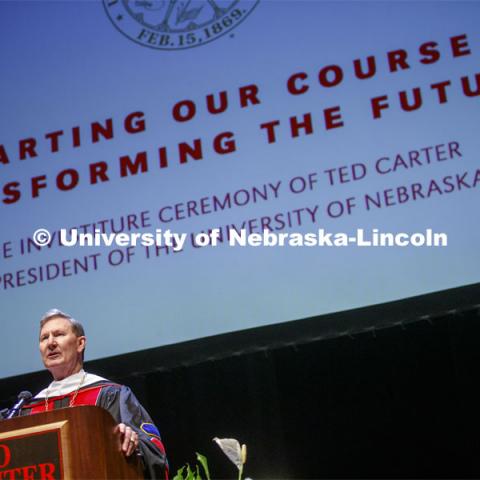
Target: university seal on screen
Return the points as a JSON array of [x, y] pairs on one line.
[[176, 24]]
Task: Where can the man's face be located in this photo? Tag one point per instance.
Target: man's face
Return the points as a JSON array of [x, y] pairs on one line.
[[60, 348]]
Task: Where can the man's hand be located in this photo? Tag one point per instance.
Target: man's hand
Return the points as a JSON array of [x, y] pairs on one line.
[[128, 438]]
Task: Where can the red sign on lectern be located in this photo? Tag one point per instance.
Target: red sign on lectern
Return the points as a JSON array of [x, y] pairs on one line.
[[43, 449]]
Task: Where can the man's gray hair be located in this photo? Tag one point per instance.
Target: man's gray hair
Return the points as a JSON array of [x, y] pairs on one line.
[[77, 327]]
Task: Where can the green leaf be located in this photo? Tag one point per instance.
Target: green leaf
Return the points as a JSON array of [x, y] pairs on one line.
[[190, 474], [203, 462], [179, 475]]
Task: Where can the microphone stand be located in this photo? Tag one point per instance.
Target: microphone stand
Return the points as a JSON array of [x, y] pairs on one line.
[[23, 397]]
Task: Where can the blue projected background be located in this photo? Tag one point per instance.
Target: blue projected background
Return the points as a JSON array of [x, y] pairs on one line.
[[271, 158]]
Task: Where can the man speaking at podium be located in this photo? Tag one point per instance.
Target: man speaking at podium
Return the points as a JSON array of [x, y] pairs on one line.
[[62, 347]]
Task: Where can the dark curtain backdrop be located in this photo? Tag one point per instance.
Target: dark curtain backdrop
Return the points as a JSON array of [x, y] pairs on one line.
[[396, 402]]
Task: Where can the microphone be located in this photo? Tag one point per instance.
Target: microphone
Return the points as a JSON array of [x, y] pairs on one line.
[[23, 397]]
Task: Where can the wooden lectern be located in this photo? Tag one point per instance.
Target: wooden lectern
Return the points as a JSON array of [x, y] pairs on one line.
[[69, 443]]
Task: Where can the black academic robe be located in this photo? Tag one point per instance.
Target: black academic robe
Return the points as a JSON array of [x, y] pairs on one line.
[[124, 408]]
